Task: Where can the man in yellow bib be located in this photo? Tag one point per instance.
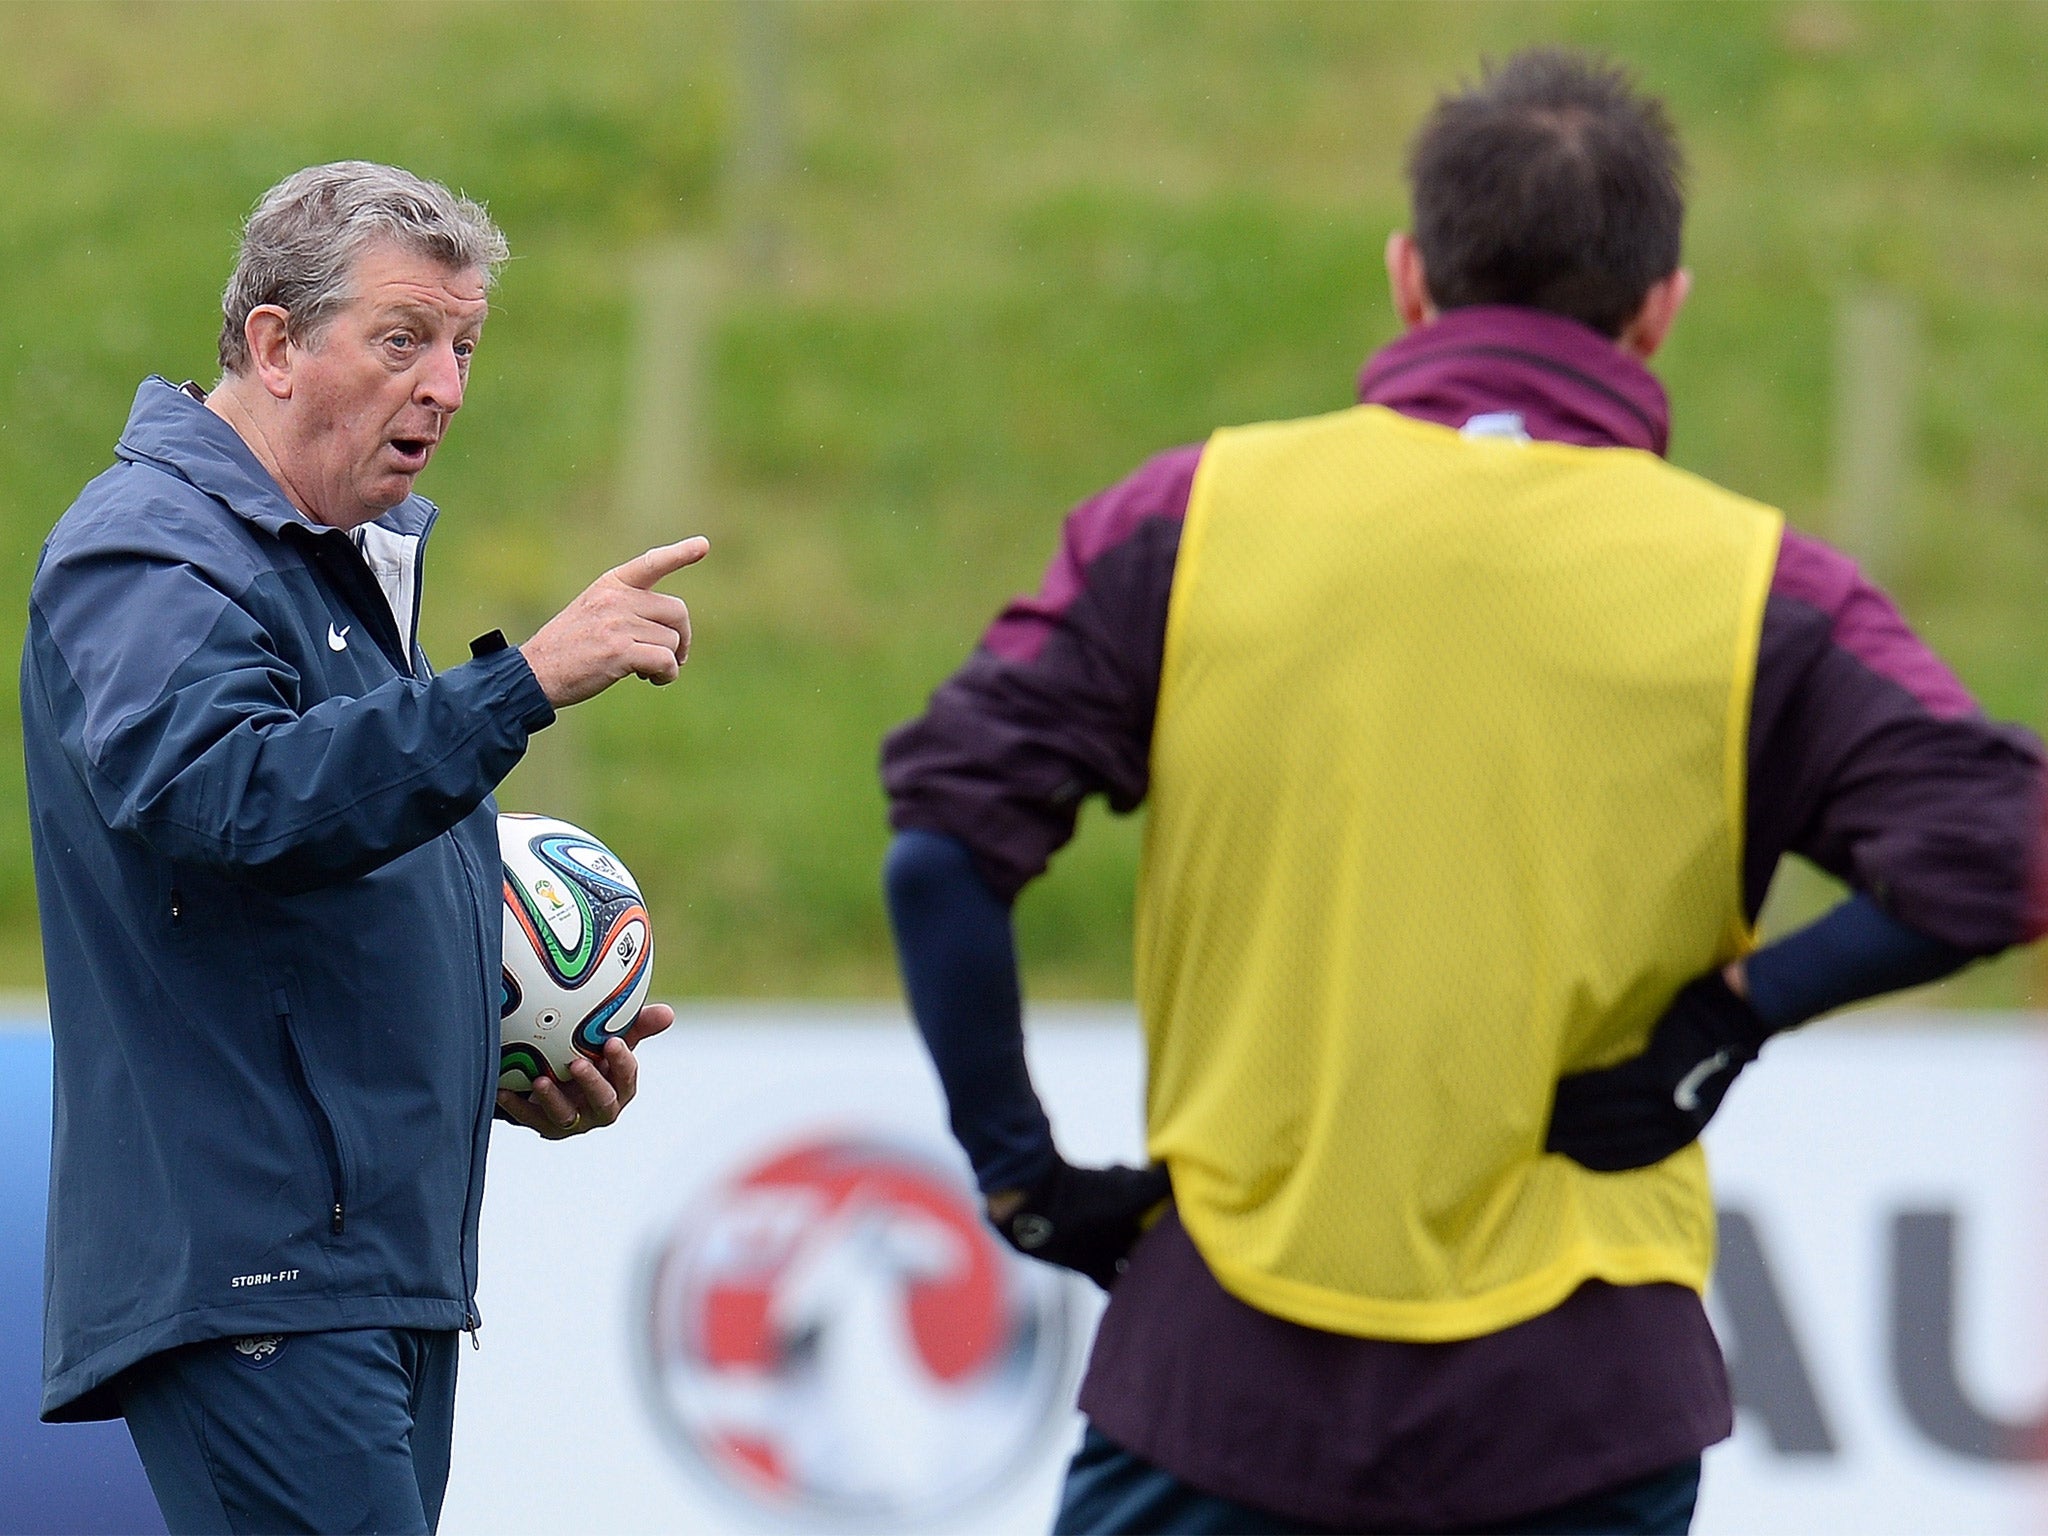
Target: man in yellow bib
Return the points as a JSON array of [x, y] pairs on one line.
[[1471, 732]]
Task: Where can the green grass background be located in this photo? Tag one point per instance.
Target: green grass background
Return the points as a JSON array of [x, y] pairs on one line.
[[1022, 248]]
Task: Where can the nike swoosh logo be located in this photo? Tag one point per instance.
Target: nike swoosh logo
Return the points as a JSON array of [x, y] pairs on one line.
[[1687, 1094], [337, 639]]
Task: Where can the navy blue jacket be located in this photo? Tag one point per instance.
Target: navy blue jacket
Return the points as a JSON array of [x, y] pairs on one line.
[[267, 865]]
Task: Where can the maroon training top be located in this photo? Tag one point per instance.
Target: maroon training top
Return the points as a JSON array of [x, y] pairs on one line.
[[1866, 756]]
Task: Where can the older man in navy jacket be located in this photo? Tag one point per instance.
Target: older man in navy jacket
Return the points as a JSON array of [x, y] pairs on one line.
[[267, 864]]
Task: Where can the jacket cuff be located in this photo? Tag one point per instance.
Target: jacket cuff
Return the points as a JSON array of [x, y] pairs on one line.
[[523, 695]]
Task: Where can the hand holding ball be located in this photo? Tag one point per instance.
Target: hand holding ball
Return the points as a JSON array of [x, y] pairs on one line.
[[579, 950]]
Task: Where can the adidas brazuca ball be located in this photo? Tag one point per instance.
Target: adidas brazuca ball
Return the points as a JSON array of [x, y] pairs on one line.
[[579, 951]]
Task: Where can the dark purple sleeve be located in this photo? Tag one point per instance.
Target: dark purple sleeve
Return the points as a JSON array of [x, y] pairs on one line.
[[1057, 701], [1869, 758]]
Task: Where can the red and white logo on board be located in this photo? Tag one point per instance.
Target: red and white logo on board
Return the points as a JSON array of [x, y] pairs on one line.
[[835, 1337]]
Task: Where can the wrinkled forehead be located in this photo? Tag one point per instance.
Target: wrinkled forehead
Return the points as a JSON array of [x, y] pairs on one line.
[[390, 277]]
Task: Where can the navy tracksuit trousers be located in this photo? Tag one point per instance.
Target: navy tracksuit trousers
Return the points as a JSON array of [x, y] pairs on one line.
[[321, 1432]]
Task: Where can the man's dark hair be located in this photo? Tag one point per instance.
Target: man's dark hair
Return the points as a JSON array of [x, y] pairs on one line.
[[1554, 184]]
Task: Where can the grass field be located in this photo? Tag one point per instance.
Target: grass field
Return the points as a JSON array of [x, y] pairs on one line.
[[1020, 248]]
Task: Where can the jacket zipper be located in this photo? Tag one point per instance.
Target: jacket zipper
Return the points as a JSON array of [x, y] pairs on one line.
[[330, 1139], [471, 1322], [417, 654], [415, 663]]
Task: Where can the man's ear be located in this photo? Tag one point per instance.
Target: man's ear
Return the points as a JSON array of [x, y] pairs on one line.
[[1644, 334], [1407, 282], [267, 333]]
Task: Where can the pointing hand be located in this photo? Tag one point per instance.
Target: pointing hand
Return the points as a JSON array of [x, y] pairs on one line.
[[618, 627]]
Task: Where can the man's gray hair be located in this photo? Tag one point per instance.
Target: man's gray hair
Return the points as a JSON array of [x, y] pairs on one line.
[[300, 245]]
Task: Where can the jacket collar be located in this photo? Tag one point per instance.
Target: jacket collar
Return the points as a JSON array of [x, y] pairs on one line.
[[1565, 381], [173, 431]]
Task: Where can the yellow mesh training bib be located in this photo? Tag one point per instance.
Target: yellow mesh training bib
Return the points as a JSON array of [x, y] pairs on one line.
[[1447, 798]]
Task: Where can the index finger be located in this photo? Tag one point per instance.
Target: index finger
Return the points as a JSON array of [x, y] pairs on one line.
[[643, 571]]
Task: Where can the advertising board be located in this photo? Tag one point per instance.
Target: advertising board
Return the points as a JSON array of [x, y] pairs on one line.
[[765, 1302]]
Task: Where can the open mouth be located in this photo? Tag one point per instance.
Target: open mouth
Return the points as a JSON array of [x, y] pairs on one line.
[[412, 452]]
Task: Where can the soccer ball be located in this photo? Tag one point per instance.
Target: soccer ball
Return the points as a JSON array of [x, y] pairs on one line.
[[579, 950]]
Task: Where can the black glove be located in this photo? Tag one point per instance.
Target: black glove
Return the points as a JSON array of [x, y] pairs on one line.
[[1086, 1219], [1642, 1110]]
